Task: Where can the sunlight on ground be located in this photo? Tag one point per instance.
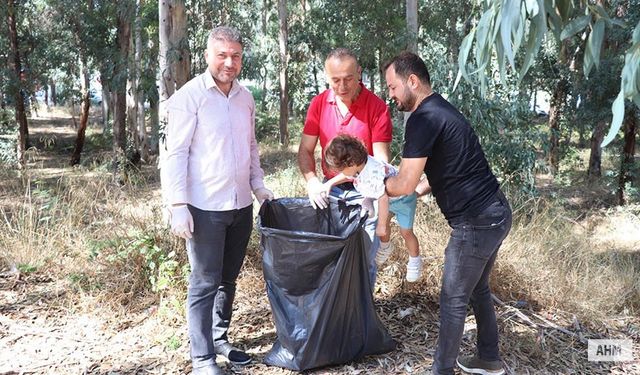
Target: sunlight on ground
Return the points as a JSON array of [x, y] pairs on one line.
[[620, 230]]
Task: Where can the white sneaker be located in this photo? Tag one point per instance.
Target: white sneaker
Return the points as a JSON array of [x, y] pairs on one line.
[[414, 270], [384, 253]]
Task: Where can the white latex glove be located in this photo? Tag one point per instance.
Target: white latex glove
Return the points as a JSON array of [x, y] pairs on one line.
[[262, 194], [181, 222], [367, 208], [166, 215], [317, 193]]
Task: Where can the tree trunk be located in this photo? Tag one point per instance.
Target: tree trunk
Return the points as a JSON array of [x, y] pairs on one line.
[[383, 91], [180, 43], [84, 117], [628, 151], [172, 16], [595, 159], [167, 83], [46, 96], [123, 35], [143, 141], [556, 107], [132, 87], [16, 89], [107, 104], [315, 77], [54, 96], [412, 25], [555, 112], [154, 137], [284, 89]]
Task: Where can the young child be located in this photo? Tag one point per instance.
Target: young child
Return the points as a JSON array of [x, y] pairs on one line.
[[348, 155]]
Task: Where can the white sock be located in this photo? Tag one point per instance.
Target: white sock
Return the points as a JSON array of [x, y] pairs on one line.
[[384, 245], [415, 260]]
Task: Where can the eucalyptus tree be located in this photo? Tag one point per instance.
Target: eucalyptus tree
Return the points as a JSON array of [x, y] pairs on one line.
[[505, 26], [124, 14], [173, 54], [15, 86], [373, 30], [284, 82]]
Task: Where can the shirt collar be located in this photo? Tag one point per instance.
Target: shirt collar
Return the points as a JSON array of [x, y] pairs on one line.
[[331, 97], [210, 83]]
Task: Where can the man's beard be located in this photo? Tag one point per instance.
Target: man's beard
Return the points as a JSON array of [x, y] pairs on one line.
[[407, 105]]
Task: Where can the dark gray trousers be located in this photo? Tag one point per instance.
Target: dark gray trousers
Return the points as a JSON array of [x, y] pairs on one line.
[[216, 253], [468, 260]]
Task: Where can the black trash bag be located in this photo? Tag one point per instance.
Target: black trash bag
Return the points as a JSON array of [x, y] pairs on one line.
[[317, 277]]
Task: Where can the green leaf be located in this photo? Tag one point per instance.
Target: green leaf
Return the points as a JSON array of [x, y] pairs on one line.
[[636, 34], [508, 22], [600, 11], [564, 9], [483, 46], [575, 26], [595, 39], [533, 7], [518, 32], [618, 115], [553, 18], [537, 31], [615, 22], [500, 54], [463, 55], [588, 59], [630, 76]]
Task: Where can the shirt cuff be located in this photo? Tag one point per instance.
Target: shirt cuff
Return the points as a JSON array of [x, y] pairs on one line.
[[177, 197]]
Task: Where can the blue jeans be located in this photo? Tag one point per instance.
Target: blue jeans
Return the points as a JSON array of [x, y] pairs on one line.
[[216, 253], [352, 196], [469, 258]]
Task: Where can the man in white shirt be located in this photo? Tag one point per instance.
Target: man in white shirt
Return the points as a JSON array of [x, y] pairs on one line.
[[211, 168]]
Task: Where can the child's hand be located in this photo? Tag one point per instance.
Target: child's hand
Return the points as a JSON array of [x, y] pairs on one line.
[[382, 230], [326, 188], [367, 208]]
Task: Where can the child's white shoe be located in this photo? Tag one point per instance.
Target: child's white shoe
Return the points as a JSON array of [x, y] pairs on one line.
[[384, 252], [414, 269]]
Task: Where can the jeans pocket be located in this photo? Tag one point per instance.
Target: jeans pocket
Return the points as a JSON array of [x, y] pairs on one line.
[[488, 234]]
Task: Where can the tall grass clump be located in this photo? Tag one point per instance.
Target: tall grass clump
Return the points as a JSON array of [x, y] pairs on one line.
[[548, 260], [104, 239]]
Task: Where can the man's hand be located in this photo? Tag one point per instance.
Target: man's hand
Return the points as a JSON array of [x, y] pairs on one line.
[[317, 193], [367, 208], [263, 194], [181, 221]]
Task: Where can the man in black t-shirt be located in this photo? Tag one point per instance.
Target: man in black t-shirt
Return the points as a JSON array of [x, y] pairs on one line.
[[440, 142]]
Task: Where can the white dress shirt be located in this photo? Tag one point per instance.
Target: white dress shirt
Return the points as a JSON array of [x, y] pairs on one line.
[[212, 159]]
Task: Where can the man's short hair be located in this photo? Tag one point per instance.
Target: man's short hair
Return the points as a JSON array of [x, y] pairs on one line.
[[345, 151], [408, 63], [341, 54], [225, 33]]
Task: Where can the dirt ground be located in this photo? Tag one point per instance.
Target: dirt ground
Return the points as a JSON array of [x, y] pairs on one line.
[[47, 327]]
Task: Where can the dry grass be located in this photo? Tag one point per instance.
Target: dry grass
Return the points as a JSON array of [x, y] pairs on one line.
[[101, 284]]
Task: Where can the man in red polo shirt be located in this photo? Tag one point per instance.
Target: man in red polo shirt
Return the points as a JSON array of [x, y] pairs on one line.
[[347, 107]]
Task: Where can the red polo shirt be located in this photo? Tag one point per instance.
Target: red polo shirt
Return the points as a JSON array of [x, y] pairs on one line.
[[367, 119]]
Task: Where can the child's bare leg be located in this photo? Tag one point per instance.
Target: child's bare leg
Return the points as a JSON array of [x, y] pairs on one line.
[[386, 238], [386, 247], [410, 241]]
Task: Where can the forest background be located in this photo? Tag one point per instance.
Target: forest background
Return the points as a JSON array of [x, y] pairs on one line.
[[91, 281]]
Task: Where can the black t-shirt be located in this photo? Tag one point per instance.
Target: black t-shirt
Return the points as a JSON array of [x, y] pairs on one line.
[[460, 177]]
